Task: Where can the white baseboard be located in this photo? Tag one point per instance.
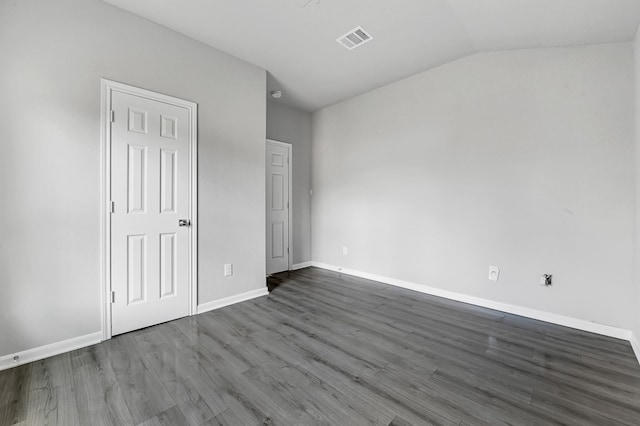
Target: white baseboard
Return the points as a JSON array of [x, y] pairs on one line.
[[566, 321], [635, 344], [52, 349], [301, 265], [221, 303], [57, 348]]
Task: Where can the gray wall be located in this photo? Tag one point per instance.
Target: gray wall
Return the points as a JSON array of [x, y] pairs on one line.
[[53, 56], [520, 159], [286, 124]]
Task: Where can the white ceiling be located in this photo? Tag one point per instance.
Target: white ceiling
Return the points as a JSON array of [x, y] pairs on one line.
[[295, 39]]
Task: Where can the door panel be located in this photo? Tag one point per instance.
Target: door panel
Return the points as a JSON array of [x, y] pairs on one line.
[[277, 192], [137, 178], [150, 188], [167, 265], [277, 240], [136, 268], [168, 176], [277, 207]]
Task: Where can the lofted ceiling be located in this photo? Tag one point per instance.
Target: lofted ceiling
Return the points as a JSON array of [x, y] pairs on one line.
[[294, 40]]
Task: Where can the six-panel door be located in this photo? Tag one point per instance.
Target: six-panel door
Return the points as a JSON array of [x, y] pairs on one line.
[[150, 190], [277, 207]]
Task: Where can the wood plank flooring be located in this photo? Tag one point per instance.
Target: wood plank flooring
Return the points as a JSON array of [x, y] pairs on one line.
[[336, 350]]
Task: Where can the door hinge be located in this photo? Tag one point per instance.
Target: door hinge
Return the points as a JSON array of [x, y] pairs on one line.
[[113, 297], [112, 116], [112, 207], [287, 250]]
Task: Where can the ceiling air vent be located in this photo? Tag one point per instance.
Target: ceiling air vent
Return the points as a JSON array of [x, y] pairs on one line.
[[354, 38]]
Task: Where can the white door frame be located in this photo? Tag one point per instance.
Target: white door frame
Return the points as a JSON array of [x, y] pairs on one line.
[[289, 148], [107, 89]]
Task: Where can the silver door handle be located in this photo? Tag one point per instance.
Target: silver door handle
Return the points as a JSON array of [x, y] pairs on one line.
[[184, 222]]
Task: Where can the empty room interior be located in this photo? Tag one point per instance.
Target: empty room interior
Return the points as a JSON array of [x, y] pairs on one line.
[[320, 212]]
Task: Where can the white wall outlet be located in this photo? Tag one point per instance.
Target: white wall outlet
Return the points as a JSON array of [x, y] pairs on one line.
[[545, 280], [345, 250], [228, 269], [494, 273]]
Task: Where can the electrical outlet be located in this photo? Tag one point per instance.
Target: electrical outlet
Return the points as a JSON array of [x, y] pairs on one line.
[[545, 280], [345, 250], [494, 273], [228, 269]]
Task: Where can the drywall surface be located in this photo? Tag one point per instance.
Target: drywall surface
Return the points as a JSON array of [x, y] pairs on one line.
[[287, 124], [54, 55], [518, 159]]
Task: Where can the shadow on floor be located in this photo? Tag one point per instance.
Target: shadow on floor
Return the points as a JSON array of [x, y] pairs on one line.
[[275, 280]]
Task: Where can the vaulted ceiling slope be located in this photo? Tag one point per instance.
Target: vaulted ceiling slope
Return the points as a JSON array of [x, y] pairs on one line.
[[295, 39]]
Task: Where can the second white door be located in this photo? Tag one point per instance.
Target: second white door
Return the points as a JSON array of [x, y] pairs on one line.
[[277, 206], [150, 189]]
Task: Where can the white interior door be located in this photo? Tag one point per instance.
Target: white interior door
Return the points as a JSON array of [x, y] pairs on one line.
[[150, 190], [278, 174]]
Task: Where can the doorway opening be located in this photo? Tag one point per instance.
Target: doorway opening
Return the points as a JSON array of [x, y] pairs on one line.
[[278, 206], [148, 208]]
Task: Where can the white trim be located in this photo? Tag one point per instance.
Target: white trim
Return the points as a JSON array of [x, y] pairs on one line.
[[566, 321], [193, 208], [107, 88], [301, 265], [635, 345], [290, 166], [232, 300], [52, 349], [105, 219]]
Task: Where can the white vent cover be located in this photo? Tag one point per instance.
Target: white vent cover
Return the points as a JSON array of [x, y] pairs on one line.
[[354, 38]]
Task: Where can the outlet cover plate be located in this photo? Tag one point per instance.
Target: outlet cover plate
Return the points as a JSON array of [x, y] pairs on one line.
[[494, 273], [228, 269]]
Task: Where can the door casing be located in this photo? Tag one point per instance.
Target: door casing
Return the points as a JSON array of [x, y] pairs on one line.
[[107, 89], [289, 147]]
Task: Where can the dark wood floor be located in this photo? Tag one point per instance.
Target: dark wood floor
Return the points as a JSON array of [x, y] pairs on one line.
[[329, 349]]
